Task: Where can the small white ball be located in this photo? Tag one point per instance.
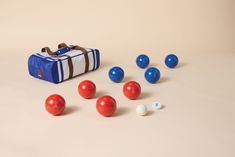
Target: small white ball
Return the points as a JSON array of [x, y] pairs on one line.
[[156, 105], [141, 110]]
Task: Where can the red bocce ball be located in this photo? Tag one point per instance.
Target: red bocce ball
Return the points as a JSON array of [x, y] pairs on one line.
[[87, 89], [55, 104], [106, 105], [132, 90]]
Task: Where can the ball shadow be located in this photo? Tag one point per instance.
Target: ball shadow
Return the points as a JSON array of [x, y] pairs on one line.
[[100, 93], [152, 65], [180, 65], [163, 107], [121, 111], [145, 95], [127, 78], [163, 79], [149, 113], [70, 110]]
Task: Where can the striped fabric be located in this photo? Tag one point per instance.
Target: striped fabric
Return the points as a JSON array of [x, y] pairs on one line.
[[58, 66]]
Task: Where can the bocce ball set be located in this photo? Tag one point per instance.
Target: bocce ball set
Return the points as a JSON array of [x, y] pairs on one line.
[[68, 61]]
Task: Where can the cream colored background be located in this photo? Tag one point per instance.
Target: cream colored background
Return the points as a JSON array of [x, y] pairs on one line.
[[199, 114]]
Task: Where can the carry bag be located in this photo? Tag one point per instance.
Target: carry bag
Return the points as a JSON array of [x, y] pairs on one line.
[[63, 64]]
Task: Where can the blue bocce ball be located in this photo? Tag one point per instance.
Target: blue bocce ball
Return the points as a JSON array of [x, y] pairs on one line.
[[152, 75], [116, 74], [171, 61], [142, 61]]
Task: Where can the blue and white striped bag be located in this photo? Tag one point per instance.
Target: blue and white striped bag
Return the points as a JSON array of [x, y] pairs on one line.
[[65, 63]]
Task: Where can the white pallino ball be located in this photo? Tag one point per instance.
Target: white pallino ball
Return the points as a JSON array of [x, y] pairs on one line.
[[141, 109]]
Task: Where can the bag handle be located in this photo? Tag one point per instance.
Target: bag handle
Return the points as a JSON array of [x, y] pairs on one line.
[[48, 50], [70, 64], [62, 45], [76, 47]]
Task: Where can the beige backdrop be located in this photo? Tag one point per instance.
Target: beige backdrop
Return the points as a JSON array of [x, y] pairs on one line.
[[199, 114]]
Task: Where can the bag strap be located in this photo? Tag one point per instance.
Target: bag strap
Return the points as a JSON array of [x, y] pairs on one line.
[[85, 53], [53, 54], [70, 64]]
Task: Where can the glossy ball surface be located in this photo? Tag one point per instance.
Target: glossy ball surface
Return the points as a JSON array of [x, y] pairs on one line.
[[142, 61], [106, 105], [141, 110], [152, 75], [87, 89], [171, 61], [116, 74], [132, 90], [55, 104]]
